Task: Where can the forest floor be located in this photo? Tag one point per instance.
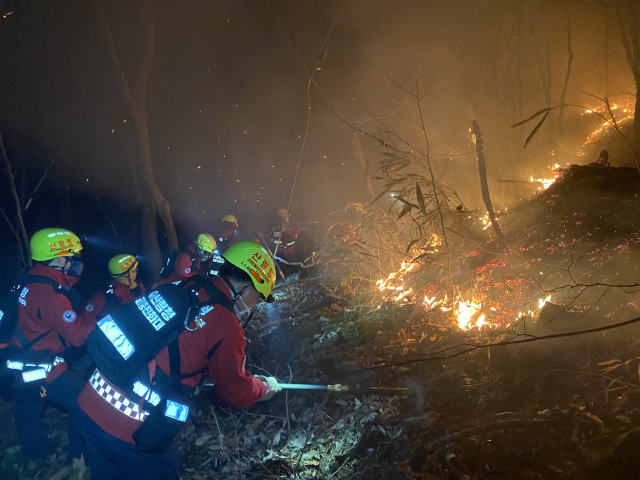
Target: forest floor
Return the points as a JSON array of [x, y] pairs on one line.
[[564, 408]]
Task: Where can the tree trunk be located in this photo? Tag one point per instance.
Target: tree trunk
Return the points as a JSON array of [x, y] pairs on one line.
[[484, 186], [629, 23], [568, 75], [20, 232], [136, 96], [636, 123], [364, 165]]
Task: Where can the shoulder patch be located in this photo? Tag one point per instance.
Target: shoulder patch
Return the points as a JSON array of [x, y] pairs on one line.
[[89, 307], [69, 316]]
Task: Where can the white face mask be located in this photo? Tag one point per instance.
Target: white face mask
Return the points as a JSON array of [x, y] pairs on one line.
[[241, 313]]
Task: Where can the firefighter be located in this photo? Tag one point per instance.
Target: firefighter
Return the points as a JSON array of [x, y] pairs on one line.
[[192, 259], [281, 241], [227, 237], [123, 288], [47, 323], [228, 232], [212, 345]]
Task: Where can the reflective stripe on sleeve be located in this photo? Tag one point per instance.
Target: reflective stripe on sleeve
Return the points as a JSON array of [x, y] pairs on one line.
[[11, 365]]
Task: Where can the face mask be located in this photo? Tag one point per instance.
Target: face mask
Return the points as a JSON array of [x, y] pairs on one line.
[[241, 313], [75, 267], [204, 256]]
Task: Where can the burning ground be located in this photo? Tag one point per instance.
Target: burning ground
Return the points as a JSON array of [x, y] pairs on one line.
[[473, 409]]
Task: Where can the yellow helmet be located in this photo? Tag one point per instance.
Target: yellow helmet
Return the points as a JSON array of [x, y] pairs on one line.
[[122, 264], [230, 219], [283, 213], [252, 258], [50, 243], [206, 243]]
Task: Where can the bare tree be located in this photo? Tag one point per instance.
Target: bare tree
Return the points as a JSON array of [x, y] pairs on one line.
[[568, 75], [18, 229], [135, 93], [628, 14]]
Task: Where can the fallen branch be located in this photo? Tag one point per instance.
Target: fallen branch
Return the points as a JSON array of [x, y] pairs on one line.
[[500, 425], [474, 347]]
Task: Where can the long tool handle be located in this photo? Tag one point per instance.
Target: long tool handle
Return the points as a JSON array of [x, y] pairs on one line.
[[302, 386], [337, 388]]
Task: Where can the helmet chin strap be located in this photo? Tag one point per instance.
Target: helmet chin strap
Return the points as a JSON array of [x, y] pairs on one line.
[[61, 270], [237, 296]]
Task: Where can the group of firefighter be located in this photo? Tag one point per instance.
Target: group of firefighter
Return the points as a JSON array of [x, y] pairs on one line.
[[127, 430]]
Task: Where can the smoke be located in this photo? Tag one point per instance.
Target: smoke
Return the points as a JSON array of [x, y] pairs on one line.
[[228, 95]]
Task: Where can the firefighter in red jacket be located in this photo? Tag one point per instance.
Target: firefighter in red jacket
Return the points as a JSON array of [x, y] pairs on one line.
[[195, 258], [228, 232], [122, 289], [227, 237], [213, 345], [47, 324]]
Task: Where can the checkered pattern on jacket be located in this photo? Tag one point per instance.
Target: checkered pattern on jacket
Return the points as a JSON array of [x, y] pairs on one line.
[[116, 399]]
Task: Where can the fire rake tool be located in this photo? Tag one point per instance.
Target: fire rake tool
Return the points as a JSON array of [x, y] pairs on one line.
[[337, 388]]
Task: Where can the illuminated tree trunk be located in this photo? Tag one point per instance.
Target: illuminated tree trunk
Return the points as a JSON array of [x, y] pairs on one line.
[[364, 165], [629, 24], [136, 96], [482, 168]]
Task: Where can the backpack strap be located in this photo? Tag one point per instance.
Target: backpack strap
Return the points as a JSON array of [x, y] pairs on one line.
[[194, 261], [43, 279], [26, 344], [112, 301]]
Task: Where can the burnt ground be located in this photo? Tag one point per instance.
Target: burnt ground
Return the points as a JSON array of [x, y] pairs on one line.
[[556, 409]]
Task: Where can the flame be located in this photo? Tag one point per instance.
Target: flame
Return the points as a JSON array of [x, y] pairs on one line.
[[607, 125], [545, 183], [543, 301], [465, 313], [393, 285], [486, 222], [473, 310]]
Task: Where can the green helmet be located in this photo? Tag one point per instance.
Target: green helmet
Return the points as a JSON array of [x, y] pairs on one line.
[[206, 243], [252, 258], [122, 264], [50, 243]]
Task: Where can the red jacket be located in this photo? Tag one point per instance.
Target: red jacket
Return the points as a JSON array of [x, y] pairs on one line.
[[184, 266], [226, 239], [286, 244], [233, 384], [41, 309], [92, 309]]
